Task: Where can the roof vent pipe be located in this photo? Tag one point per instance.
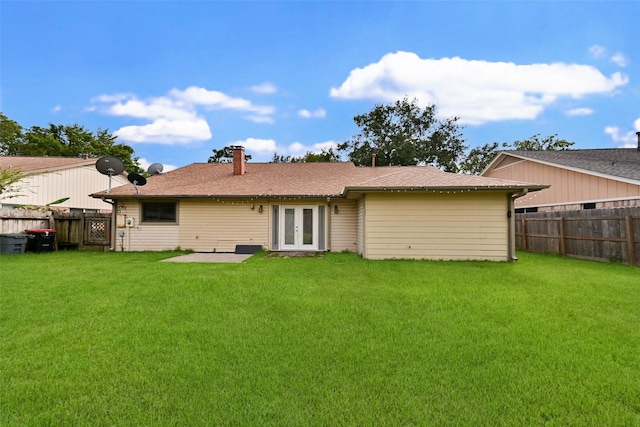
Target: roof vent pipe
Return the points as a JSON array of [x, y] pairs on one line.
[[638, 135], [373, 158]]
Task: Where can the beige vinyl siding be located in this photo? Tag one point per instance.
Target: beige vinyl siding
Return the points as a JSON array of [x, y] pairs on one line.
[[344, 226], [76, 183], [436, 226], [209, 226], [566, 185], [143, 236], [360, 225]]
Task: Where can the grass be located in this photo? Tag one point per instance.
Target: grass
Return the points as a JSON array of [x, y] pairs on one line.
[[121, 339]]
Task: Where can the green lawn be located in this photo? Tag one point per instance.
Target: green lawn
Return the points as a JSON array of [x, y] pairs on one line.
[[121, 339]]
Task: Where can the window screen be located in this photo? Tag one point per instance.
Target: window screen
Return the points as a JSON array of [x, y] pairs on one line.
[[159, 212]]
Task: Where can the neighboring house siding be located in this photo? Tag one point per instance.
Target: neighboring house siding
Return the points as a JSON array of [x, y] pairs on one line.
[[76, 183], [344, 226], [207, 226], [567, 186], [143, 237], [436, 226]]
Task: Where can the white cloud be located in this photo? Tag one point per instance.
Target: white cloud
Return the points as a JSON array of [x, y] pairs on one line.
[[580, 112], [56, 109], [319, 113], [214, 99], [258, 148], [164, 131], [176, 117], [299, 149], [597, 51], [619, 59], [260, 119], [296, 148], [477, 91], [256, 144], [628, 139], [154, 108], [264, 88], [116, 97]]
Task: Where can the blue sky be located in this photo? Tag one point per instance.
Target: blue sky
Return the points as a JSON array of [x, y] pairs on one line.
[[175, 80]]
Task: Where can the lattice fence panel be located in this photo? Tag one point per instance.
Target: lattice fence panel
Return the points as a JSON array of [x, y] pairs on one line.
[[97, 231]]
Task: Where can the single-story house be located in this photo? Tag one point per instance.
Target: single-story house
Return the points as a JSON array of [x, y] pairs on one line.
[[415, 212], [578, 179], [48, 179]]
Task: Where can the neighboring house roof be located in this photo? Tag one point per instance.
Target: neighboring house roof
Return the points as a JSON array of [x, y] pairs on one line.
[[30, 165], [44, 179], [617, 163], [303, 180]]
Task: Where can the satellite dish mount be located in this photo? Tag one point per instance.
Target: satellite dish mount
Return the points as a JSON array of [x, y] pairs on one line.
[[109, 165], [155, 169], [136, 180]]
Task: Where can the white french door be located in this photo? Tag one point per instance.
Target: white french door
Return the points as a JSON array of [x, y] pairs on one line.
[[299, 228]]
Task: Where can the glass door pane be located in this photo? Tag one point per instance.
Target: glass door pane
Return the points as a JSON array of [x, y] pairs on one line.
[[307, 226], [289, 226]]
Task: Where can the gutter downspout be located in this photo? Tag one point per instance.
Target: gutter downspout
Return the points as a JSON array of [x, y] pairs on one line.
[[114, 221], [328, 217], [511, 227]]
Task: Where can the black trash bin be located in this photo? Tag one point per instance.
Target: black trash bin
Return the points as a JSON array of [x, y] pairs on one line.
[[41, 239], [12, 244]]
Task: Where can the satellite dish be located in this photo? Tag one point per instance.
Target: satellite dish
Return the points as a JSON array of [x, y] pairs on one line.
[[155, 169], [109, 165], [136, 180]]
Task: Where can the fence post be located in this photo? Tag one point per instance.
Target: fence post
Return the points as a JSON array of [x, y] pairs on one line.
[[630, 239], [83, 224], [524, 233], [563, 239]]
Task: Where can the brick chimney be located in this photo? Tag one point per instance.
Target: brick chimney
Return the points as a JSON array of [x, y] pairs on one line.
[[239, 164], [638, 135]]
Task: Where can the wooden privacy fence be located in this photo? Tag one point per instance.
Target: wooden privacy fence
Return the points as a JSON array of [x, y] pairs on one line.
[[89, 231], [595, 234], [13, 221]]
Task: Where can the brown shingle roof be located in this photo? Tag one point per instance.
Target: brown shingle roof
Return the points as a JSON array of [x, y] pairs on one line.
[[42, 164], [427, 177], [301, 180]]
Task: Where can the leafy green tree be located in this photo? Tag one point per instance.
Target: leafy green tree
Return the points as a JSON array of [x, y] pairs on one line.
[[224, 155], [327, 155], [405, 134], [63, 140], [280, 158], [480, 157], [9, 178], [11, 135], [549, 143]]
